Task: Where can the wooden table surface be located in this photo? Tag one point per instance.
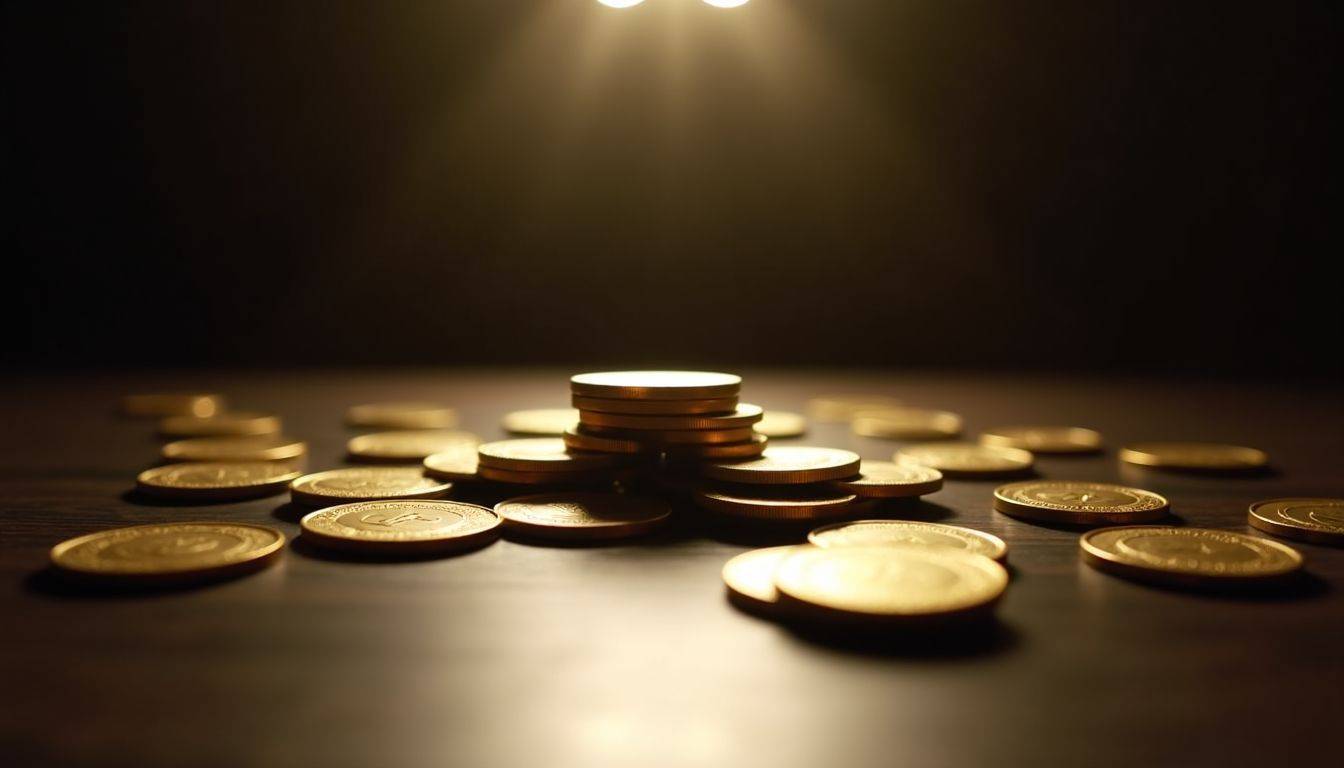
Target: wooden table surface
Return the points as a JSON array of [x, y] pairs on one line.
[[629, 655]]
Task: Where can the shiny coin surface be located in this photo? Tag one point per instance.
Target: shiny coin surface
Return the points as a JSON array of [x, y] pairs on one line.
[[781, 424], [172, 404], [169, 552], [788, 464], [586, 477], [583, 516], [1044, 439], [805, 504], [1208, 457], [544, 454], [881, 533], [578, 440], [266, 448], [215, 481], [966, 459], [459, 463], [656, 385], [551, 422], [842, 408], [906, 424], [673, 436], [233, 423], [343, 486], [1320, 521], [744, 415], [401, 415], [750, 578], [654, 407], [402, 526], [743, 450], [885, 480], [1187, 556], [897, 584], [1079, 503], [407, 445]]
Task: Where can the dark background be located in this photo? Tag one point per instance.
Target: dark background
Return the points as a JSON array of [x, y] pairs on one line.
[[1130, 186]]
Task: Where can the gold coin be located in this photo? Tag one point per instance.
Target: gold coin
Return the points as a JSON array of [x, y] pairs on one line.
[[580, 515], [743, 450], [881, 533], [169, 552], [885, 480], [1320, 521], [781, 424], [1209, 457], [234, 449], [231, 424], [587, 477], [458, 463], [750, 578], [407, 415], [654, 407], [408, 445], [1044, 439], [890, 584], [674, 436], [578, 440], [906, 424], [787, 465], [343, 486], [745, 415], [966, 459], [551, 422], [215, 481], [409, 527], [768, 504], [842, 408], [1074, 502], [656, 385], [1187, 556], [172, 404], [544, 454]]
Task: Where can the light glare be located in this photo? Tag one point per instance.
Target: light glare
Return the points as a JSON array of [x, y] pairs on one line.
[[621, 3], [726, 3]]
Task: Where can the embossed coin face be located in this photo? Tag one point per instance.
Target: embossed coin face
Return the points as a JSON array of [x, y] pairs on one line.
[[401, 415], [781, 424], [583, 515], [234, 449], [215, 481], [906, 424], [1079, 503], [540, 421], [890, 583], [883, 479], [750, 578], [966, 459], [457, 463], [1207, 457], [880, 533], [544, 454], [787, 465], [403, 526], [842, 408], [1044, 439], [169, 553], [408, 445], [1189, 556], [172, 404], [656, 385], [233, 423], [1320, 521], [340, 486]]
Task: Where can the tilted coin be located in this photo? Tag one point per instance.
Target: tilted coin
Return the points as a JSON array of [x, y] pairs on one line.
[[743, 450], [342, 486], [458, 463], [583, 516], [232, 423], [172, 404], [407, 445], [579, 440], [744, 415], [673, 436], [750, 578], [169, 552], [1187, 556], [266, 448], [885, 480], [890, 584], [654, 407], [765, 504], [401, 415], [1044, 439], [788, 464], [540, 421], [906, 424], [410, 527], [544, 454], [880, 533], [215, 481], [781, 424], [966, 459], [1208, 457], [1320, 521], [1074, 502], [656, 385], [841, 408]]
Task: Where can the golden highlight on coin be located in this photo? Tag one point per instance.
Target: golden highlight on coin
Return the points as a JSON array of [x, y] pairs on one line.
[[547, 422], [1319, 521], [885, 480], [744, 415], [881, 533], [656, 385], [544, 454], [401, 415], [654, 407], [172, 404], [788, 465], [402, 527], [169, 553], [809, 503], [407, 445], [842, 408], [966, 459], [578, 440], [781, 424], [750, 578], [343, 486], [1044, 439], [266, 448], [231, 424], [1079, 503], [906, 424], [673, 437], [1187, 556], [586, 477], [583, 516], [1206, 457], [215, 481], [743, 450], [458, 463]]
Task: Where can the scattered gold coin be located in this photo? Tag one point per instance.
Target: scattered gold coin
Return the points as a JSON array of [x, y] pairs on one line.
[[578, 440], [215, 481], [781, 424], [407, 445], [656, 385], [234, 449], [343, 486], [906, 424], [750, 578], [841, 408], [743, 450], [966, 459], [880, 533], [1320, 521], [1208, 457], [231, 424], [550, 422], [403, 415], [585, 477], [544, 454], [172, 404], [1074, 502], [458, 463], [787, 465], [654, 407], [1187, 556], [410, 527], [583, 516], [169, 552], [744, 415], [885, 480], [1044, 439], [767, 504]]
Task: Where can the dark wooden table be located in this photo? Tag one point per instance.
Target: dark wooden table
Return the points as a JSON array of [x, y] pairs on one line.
[[630, 655]]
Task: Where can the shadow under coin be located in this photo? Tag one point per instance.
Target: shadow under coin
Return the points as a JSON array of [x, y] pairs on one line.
[[50, 582], [1294, 587], [306, 548], [289, 512], [142, 499], [982, 637], [910, 509]]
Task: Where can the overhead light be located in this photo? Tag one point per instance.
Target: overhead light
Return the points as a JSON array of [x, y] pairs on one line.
[[726, 3], [620, 3]]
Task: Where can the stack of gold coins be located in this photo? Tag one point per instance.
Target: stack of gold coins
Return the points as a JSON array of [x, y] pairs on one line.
[[546, 461], [785, 483]]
